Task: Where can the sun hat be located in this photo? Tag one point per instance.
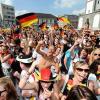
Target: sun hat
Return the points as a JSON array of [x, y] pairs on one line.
[[24, 58], [45, 74]]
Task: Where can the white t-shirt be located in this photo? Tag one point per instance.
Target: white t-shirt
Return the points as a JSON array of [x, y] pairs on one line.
[[5, 65], [30, 79]]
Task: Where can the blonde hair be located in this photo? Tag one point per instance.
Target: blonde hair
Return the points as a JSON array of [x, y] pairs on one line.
[[26, 45], [91, 58], [79, 63]]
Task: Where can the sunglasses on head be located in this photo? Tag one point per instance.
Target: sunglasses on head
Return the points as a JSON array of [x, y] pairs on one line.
[[97, 54], [81, 70], [2, 92]]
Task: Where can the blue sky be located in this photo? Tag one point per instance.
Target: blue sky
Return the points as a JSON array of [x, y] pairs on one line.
[[56, 7]]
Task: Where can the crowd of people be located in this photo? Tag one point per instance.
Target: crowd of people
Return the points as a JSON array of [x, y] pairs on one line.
[[51, 64]]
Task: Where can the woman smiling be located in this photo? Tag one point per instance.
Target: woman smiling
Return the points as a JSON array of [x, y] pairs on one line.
[[81, 71]]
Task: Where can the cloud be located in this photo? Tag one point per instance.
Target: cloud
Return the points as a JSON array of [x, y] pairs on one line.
[[7, 2], [20, 12], [64, 3], [77, 12]]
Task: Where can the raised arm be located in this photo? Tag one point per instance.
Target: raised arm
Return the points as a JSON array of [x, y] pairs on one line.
[[75, 44], [40, 43], [5, 58]]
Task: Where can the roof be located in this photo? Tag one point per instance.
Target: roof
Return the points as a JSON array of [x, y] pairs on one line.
[[24, 15], [42, 15]]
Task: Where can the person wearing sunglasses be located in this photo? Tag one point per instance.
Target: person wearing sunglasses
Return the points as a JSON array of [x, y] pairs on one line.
[[81, 71], [7, 89]]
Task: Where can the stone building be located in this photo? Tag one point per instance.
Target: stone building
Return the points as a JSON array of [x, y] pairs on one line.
[[92, 15], [7, 14]]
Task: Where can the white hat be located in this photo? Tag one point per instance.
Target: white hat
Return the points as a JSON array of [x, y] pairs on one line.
[[24, 58]]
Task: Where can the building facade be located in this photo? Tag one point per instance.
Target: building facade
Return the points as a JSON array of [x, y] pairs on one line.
[[48, 18], [92, 14], [0, 21], [7, 14]]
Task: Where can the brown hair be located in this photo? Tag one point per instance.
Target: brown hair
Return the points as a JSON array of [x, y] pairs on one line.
[[79, 92], [91, 58], [9, 87]]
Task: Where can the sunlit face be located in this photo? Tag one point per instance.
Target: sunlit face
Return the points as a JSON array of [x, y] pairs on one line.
[[43, 46], [57, 51], [22, 66], [83, 54], [51, 51], [81, 72], [22, 44], [4, 49], [96, 54], [56, 41], [45, 85], [3, 93], [45, 36], [88, 43]]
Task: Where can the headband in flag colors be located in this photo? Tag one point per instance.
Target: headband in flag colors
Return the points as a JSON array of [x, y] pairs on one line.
[[27, 19]]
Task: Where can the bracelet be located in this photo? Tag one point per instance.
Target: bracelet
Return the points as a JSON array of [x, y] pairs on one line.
[[28, 73]]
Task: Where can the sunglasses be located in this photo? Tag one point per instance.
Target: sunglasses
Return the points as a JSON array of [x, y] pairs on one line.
[[97, 54], [81, 70], [2, 92]]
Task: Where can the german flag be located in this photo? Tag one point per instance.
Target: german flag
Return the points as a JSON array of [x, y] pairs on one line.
[[64, 20], [27, 19], [43, 26]]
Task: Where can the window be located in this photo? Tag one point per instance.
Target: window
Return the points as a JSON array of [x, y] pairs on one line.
[[4, 7], [48, 21], [8, 12], [52, 20], [5, 16], [40, 21], [9, 17]]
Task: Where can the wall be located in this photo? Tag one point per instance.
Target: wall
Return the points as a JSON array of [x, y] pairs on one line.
[[91, 20]]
